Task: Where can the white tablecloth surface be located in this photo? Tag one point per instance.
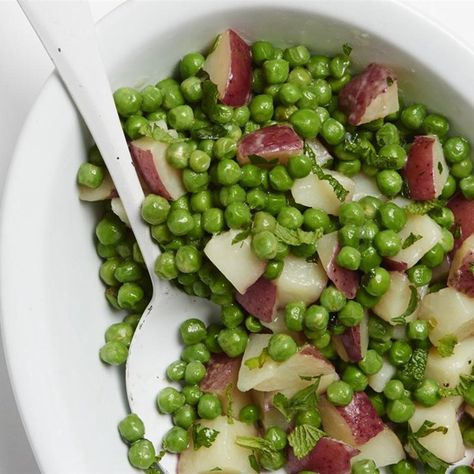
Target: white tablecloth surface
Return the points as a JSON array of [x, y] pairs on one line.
[[20, 54]]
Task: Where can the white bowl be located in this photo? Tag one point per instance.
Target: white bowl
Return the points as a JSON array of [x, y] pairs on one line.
[[53, 311]]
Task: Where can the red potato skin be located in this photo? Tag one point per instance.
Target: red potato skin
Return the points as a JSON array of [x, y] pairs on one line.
[[259, 300], [463, 211], [419, 172], [221, 371], [362, 417], [329, 456], [344, 280], [278, 142], [239, 85], [359, 92], [460, 276], [143, 161], [351, 340], [394, 266]]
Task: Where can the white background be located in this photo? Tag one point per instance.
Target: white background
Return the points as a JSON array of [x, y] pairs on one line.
[[23, 69]]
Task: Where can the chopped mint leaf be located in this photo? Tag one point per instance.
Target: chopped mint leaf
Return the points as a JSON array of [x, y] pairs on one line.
[[216, 469], [415, 368], [203, 436], [389, 81], [366, 151], [338, 188], [410, 240], [241, 236], [347, 49], [254, 463], [445, 346], [296, 237], [304, 438], [258, 361], [151, 130], [427, 428], [440, 167], [211, 132], [424, 455], [229, 399], [259, 161], [412, 304], [423, 207], [259, 445]]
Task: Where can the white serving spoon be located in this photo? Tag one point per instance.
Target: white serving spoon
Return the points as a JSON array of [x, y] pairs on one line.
[[67, 32]]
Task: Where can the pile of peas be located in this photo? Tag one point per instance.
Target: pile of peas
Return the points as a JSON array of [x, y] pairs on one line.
[[289, 86]]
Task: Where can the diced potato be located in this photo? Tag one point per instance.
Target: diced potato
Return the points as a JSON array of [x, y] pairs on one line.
[[118, 209], [236, 261], [447, 370], [313, 192], [449, 446], [396, 300], [299, 281], [378, 381], [448, 312], [224, 453], [105, 191], [460, 274]]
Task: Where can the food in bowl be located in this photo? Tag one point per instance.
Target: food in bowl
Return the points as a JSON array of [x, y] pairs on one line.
[[323, 218]]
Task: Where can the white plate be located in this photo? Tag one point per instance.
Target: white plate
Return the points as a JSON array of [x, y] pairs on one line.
[[53, 311]]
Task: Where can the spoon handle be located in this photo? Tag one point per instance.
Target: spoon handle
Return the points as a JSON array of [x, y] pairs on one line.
[[67, 32]]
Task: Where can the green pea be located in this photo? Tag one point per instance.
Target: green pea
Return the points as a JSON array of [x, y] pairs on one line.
[[196, 352], [412, 117], [258, 80], [306, 122], [121, 332], [308, 417], [192, 394], [400, 353], [251, 176], [281, 347], [156, 116], [131, 428], [400, 410], [129, 295], [428, 393], [394, 389], [282, 251], [194, 372], [280, 178], [275, 201], [256, 199], [90, 175], [94, 157], [433, 257], [175, 371], [165, 266], [232, 316], [294, 315], [128, 101], [233, 341], [188, 259], [290, 217], [353, 376], [110, 230], [332, 131], [339, 66], [180, 222], [316, 219], [249, 414], [389, 182], [403, 467], [107, 271], [141, 454], [456, 149], [264, 245], [191, 88], [378, 402], [443, 216], [237, 215], [263, 221], [231, 194], [273, 269], [388, 243], [175, 440], [289, 94], [364, 466], [322, 90], [178, 154], [276, 71], [387, 134], [349, 168], [296, 55], [435, 124], [369, 259], [379, 329], [277, 437], [169, 400], [371, 363], [332, 299], [209, 407], [272, 462], [419, 275], [351, 314], [253, 324], [318, 66], [463, 169], [224, 148], [228, 172], [184, 417], [418, 330], [192, 331], [394, 156], [351, 213], [191, 64], [370, 205], [261, 52], [468, 437], [261, 108], [299, 166], [308, 100], [113, 353], [392, 216], [339, 393], [348, 257], [155, 209], [349, 235], [467, 187]]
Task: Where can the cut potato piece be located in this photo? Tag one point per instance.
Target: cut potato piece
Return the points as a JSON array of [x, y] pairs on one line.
[[384, 449], [118, 209], [314, 192], [237, 262], [270, 416], [366, 186], [352, 344], [448, 446], [378, 381], [344, 280], [430, 233], [448, 312], [447, 370], [396, 300], [300, 281], [354, 423], [223, 454], [463, 210], [461, 276], [321, 153], [307, 362], [260, 299]]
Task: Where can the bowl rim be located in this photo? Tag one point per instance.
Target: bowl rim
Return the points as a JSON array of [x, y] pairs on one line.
[[52, 85]]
